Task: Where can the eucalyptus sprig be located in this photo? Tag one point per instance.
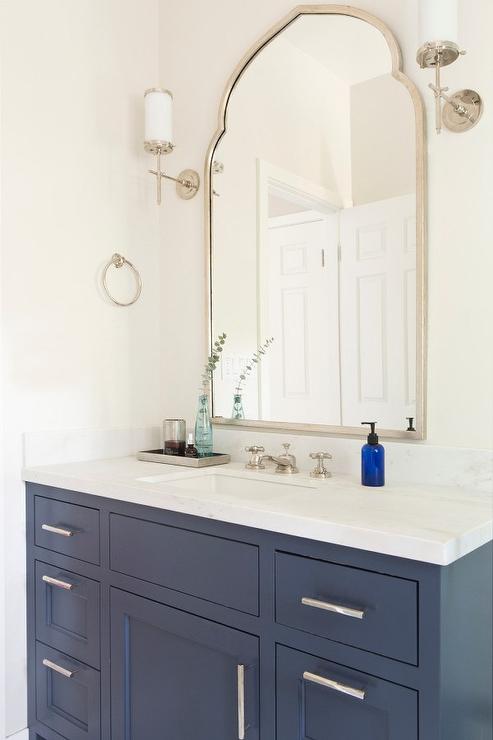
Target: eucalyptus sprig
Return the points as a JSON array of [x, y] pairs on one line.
[[212, 362], [254, 360]]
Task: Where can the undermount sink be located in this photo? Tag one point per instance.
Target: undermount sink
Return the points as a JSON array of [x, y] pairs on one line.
[[222, 484]]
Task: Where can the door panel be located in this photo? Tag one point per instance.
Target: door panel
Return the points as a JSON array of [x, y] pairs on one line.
[[175, 676], [378, 312], [299, 308], [307, 710]]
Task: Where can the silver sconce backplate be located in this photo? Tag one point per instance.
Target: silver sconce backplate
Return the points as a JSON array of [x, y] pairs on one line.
[[187, 184], [462, 111], [437, 52]]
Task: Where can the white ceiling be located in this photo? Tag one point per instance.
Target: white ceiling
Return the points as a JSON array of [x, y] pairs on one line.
[[353, 50]]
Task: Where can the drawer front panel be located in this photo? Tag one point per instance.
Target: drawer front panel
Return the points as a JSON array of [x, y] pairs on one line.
[[219, 570], [366, 610], [67, 613], [321, 700], [67, 528], [67, 695]]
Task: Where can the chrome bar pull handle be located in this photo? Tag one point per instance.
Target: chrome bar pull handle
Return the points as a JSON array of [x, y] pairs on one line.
[[58, 583], [62, 531], [346, 611], [334, 685], [241, 701], [58, 668]]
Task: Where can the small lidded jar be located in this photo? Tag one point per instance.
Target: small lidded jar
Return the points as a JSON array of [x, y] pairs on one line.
[[174, 435]]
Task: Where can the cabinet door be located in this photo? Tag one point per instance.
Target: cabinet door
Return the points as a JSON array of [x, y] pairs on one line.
[[175, 676], [319, 700]]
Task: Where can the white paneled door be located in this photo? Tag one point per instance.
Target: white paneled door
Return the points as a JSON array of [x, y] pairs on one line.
[[378, 312], [300, 310]]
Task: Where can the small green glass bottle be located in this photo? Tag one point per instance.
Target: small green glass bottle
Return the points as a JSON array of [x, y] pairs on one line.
[[237, 412]]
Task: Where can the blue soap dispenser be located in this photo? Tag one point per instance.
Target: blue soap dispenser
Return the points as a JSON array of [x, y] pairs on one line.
[[372, 459]]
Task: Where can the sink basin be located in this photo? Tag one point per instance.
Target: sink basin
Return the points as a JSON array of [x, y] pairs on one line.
[[223, 485]]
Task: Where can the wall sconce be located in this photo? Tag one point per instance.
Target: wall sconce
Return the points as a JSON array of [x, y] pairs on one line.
[[439, 29], [158, 107]]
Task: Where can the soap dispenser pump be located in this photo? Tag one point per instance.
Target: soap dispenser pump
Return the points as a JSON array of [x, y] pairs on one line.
[[372, 459]]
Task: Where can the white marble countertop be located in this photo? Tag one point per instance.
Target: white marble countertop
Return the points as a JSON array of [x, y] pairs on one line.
[[433, 524]]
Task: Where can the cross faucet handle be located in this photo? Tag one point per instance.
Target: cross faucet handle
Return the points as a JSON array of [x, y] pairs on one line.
[[256, 461], [320, 471]]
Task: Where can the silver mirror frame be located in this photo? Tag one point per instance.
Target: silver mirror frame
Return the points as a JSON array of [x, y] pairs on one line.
[[421, 251]]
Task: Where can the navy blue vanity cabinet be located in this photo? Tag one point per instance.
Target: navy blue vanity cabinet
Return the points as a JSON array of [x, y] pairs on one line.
[[145, 624]]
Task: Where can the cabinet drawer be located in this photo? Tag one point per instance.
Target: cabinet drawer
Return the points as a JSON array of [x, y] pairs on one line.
[[67, 695], [67, 528], [67, 613], [321, 700], [219, 570], [360, 608]]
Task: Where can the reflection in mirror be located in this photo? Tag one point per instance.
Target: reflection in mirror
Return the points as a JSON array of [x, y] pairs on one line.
[[313, 232]]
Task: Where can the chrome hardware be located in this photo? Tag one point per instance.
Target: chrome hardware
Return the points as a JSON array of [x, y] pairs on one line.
[[320, 471], [346, 611], [57, 668], [335, 685], [187, 182], [58, 530], [56, 582], [286, 462], [464, 108], [256, 459], [241, 701], [118, 261]]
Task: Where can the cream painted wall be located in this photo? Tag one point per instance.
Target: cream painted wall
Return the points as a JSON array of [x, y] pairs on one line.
[[2, 487], [460, 392], [74, 190]]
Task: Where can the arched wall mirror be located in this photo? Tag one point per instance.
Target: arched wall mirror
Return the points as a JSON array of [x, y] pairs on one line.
[[315, 231]]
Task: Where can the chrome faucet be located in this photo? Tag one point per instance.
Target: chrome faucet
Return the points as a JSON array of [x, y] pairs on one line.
[[285, 462]]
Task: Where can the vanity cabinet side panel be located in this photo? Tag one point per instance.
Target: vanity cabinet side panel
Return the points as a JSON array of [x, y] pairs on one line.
[[466, 650], [31, 607]]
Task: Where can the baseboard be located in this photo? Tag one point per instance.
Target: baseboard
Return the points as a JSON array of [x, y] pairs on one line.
[[22, 735]]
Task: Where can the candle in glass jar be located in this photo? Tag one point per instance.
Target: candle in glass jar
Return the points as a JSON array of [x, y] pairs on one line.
[[174, 435]]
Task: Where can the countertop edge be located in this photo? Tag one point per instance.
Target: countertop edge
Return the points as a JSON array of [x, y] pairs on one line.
[[393, 544]]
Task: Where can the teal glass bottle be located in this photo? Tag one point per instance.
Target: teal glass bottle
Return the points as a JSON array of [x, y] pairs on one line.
[[237, 412], [203, 428]]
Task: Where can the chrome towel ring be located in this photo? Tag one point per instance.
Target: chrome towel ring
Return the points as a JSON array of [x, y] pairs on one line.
[[118, 260]]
